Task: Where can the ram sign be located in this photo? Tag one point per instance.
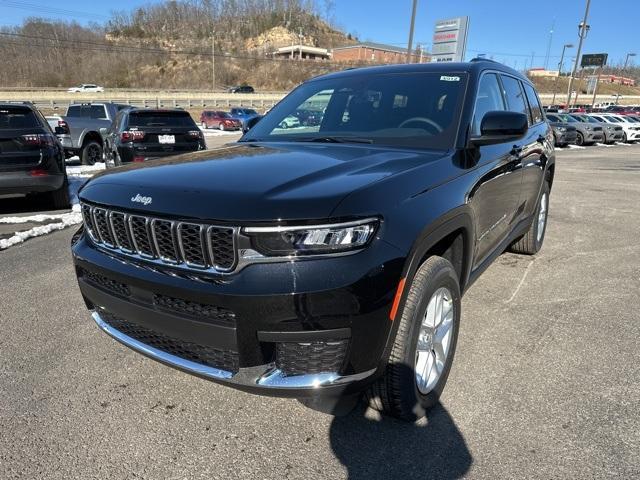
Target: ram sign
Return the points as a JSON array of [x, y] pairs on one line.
[[450, 40]]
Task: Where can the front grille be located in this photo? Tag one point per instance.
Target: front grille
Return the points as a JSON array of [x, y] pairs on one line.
[[195, 309], [311, 357], [184, 244], [105, 283], [205, 355], [597, 129]]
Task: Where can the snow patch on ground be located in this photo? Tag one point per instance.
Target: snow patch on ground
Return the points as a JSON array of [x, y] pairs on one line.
[[66, 220], [577, 147]]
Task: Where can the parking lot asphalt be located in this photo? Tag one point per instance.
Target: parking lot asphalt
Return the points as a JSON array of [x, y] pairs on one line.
[[545, 384]]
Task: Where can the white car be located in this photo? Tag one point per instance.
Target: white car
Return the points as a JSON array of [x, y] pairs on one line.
[[86, 87], [630, 128], [290, 122]]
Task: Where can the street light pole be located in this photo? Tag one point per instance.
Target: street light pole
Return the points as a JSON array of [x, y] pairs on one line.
[[560, 65], [213, 62], [413, 21], [583, 29], [624, 69]]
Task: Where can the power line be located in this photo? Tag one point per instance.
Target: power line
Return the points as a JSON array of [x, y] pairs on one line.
[[50, 10]]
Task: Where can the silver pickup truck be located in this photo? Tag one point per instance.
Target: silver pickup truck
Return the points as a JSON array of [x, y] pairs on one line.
[[86, 122]]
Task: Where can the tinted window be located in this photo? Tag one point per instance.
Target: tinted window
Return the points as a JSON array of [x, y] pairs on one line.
[[534, 104], [160, 119], [513, 94], [489, 99], [17, 118], [552, 117], [74, 111], [97, 111], [418, 110]]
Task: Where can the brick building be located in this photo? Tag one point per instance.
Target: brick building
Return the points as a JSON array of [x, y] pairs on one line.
[[375, 53]]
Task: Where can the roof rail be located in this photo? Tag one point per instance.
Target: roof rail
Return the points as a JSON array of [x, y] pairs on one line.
[[482, 59]]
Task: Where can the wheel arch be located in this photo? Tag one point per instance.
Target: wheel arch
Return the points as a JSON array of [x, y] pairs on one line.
[[92, 136]]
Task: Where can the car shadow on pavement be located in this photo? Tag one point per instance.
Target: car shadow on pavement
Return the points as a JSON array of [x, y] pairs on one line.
[[380, 447]]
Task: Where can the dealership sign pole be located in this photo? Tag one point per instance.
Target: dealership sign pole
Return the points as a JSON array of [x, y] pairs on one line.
[[583, 29], [450, 40]]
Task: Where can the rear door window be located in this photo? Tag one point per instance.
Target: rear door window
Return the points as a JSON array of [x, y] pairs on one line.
[[16, 118], [534, 104]]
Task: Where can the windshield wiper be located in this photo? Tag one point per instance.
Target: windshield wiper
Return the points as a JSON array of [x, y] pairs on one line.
[[331, 139]]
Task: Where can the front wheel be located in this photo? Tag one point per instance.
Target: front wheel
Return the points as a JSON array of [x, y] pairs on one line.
[[423, 350], [91, 153], [531, 242], [203, 125], [580, 139], [221, 127]]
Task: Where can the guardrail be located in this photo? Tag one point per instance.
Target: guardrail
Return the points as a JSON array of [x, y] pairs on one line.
[[189, 103]]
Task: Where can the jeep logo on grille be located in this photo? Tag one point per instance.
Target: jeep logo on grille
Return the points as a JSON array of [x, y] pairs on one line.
[[140, 199]]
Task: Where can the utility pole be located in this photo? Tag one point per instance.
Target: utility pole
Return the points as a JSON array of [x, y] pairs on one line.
[[560, 66], [420, 48], [583, 30], [546, 58], [413, 21], [624, 69], [213, 62], [595, 87]]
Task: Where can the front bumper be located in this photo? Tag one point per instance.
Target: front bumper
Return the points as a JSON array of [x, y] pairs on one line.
[[593, 137], [336, 310], [565, 138], [633, 135]]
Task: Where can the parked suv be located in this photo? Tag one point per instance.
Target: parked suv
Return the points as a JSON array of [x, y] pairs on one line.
[[587, 133], [322, 262], [139, 134], [220, 120], [31, 157], [612, 133]]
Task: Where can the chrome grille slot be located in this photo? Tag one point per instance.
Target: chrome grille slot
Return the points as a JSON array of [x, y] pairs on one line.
[[163, 240], [184, 245], [101, 222], [192, 246], [120, 233], [139, 228], [221, 247]]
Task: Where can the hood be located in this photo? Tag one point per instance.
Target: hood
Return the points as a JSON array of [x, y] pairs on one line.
[[255, 182]]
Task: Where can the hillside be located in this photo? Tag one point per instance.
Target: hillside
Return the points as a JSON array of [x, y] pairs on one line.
[[169, 45]]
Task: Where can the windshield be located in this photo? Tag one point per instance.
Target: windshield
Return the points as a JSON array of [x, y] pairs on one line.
[[160, 119], [567, 118], [413, 110]]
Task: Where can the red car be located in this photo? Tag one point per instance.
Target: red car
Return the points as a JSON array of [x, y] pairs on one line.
[[219, 119]]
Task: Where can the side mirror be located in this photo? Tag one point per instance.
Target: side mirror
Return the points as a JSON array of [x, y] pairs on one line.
[[250, 124], [501, 127]]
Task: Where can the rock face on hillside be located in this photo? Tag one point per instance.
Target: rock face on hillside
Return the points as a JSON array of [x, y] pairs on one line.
[[277, 37]]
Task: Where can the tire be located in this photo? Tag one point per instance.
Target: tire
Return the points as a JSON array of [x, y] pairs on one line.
[[91, 153], [221, 127], [203, 125], [531, 242], [580, 140], [397, 392], [60, 198], [624, 137]]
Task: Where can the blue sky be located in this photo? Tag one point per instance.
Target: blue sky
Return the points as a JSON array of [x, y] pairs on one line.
[[508, 31]]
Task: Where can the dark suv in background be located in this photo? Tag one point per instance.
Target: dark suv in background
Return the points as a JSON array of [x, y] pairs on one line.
[[327, 260], [31, 156], [139, 134]]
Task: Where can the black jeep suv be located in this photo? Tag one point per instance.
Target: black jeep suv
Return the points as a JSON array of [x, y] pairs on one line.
[[31, 156], [138, 134], [327, 260]]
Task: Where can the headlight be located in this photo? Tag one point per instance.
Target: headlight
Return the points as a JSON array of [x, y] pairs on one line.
[[588, 128], [312, 239], [562, 129]]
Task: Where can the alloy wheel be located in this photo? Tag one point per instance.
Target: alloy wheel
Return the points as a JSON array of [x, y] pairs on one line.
[[434, 340]]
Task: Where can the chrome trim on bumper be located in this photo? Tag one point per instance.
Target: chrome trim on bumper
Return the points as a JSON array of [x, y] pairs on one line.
[[263, 376]]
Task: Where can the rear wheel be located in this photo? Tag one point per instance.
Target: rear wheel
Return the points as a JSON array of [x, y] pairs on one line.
[[423, 350], [221, 127], [91, 153], [60, 198], [531, 242]]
